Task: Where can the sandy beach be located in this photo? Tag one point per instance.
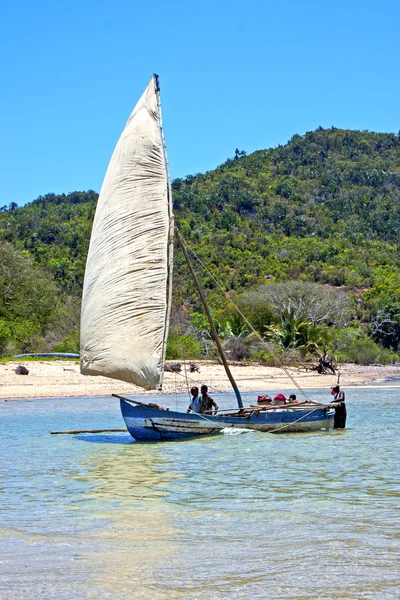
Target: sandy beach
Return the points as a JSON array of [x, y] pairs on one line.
[[49, 379]]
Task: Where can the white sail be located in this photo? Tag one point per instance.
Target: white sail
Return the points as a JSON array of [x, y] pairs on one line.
[[125, 289]]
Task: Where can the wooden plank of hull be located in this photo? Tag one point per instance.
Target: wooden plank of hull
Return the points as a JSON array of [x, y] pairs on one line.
[[148, 423], [152, 429], [171, 425], [183, 426]]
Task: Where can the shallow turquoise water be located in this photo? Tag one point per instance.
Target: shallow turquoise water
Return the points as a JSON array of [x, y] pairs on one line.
[[231, 516]]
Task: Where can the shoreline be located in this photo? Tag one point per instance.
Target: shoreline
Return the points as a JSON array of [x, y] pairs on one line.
[[62, 379]]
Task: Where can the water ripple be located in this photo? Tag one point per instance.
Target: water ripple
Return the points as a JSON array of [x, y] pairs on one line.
[[232, 516]]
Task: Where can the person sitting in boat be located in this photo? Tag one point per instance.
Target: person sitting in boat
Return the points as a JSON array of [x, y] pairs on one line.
[[208, 403], [196, 401], [339, 404], [293, 399], [279, 399]]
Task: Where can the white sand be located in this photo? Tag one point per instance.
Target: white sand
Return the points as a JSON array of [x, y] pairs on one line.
[[49, 379]]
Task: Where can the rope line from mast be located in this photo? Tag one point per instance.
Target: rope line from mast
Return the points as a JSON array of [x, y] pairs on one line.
[[210, 319], [289, 375], [290, 424], [221, 426]]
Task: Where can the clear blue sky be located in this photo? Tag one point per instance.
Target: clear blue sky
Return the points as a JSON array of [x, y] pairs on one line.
[[246, 74]]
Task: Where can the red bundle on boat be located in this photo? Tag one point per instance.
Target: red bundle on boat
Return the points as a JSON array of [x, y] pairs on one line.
[[264, 398]]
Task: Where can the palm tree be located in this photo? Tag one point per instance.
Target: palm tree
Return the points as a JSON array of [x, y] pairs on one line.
[[293, 331]]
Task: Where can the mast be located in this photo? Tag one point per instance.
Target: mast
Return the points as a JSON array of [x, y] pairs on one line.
[[211, 322], [170, 233]]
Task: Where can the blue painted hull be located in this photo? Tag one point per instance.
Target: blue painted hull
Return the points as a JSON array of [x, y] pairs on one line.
[[146, 423]]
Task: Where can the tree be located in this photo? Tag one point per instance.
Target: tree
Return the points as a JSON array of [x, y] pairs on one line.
[[291, 333], [386, 327], [239, 153], [304, 301], [28, 300]]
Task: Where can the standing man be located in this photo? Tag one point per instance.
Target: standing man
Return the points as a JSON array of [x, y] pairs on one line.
[[196, 403], [339, 404], [208, 402]]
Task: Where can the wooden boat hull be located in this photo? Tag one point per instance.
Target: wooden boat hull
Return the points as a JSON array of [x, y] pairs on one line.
[[146, 423]]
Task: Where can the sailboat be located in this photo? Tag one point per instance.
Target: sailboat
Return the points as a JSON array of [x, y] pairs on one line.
[[127, 291]]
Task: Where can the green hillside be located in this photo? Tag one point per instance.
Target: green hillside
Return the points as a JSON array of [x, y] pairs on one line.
[[324, 208]]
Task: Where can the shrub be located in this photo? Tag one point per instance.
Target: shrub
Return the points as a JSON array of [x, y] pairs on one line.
[[264, 357], [361, 350], [237, 349], [181, 347], [70, 343]]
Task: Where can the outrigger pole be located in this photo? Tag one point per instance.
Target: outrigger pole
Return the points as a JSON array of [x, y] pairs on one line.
[[211, 322]]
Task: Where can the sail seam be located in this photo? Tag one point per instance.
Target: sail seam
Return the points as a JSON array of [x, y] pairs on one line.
[[170, 253]]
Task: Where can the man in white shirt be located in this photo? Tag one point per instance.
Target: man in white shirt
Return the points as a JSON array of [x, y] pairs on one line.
[[197, 401]]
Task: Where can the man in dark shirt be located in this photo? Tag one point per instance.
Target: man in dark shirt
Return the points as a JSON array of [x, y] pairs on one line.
[[208, 403], [338, 403]]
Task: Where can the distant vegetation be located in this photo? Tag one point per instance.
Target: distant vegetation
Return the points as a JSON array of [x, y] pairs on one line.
[[313, 223]]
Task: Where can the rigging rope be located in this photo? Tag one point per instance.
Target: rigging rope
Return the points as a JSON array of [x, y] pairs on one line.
[[194, 382], [289, 424], [246, 320], [176, 394], [221, 426]]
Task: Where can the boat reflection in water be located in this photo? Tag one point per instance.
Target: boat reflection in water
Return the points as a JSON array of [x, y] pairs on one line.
[[126, 486]]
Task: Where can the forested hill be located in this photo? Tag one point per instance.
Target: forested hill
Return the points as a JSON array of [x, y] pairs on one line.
[[324, 207]]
